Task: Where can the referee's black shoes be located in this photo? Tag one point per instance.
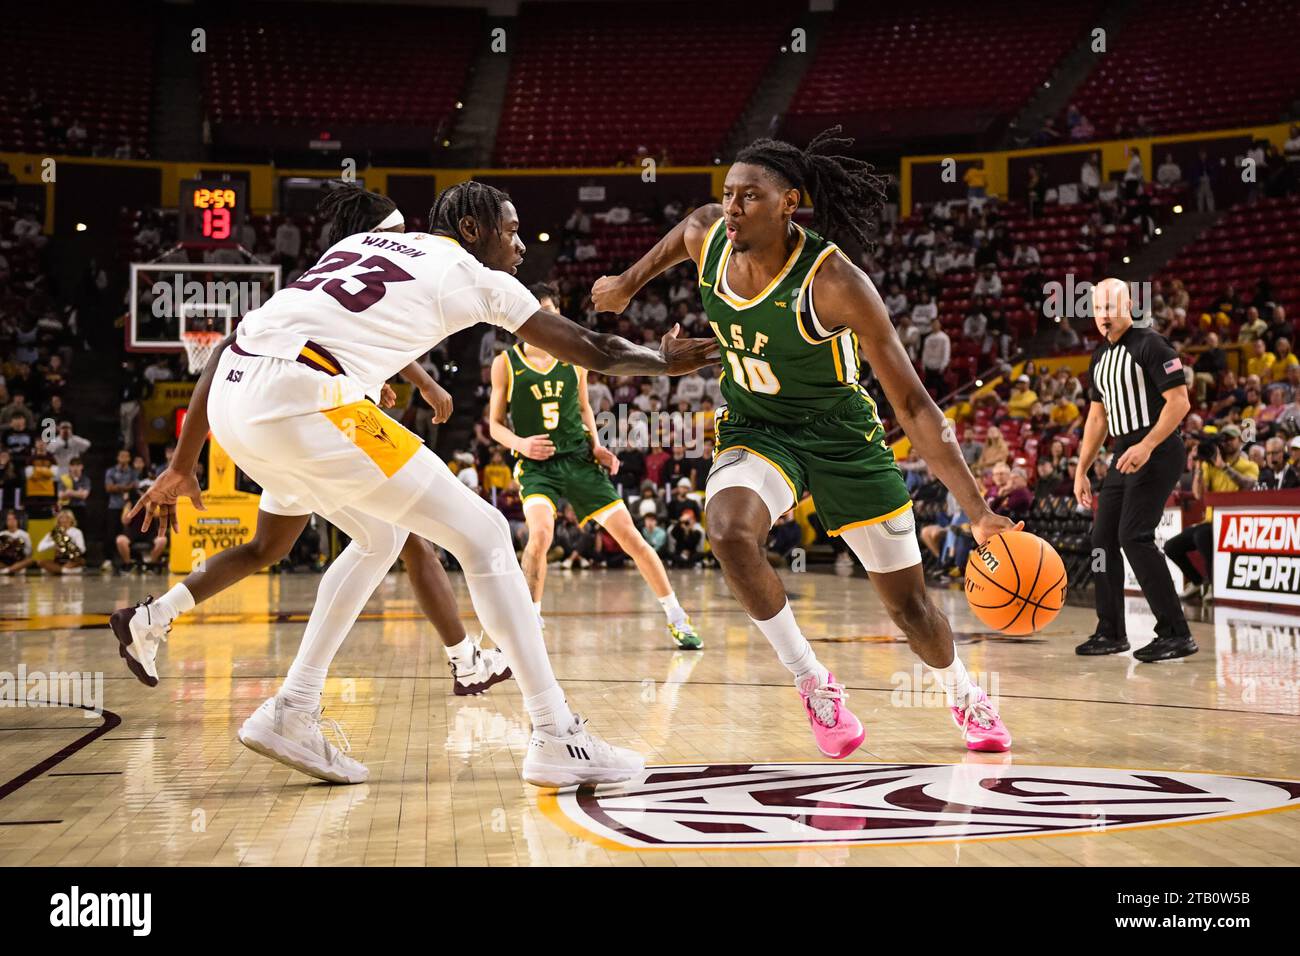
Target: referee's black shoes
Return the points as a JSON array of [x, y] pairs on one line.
[[1167, 649], [1100, 644]]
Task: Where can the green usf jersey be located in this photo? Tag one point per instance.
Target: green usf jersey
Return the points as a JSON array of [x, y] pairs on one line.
[[544, 401], [779, 364]]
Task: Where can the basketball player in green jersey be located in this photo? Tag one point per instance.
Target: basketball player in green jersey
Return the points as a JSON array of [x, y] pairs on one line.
[[791, 312], [552, 431]]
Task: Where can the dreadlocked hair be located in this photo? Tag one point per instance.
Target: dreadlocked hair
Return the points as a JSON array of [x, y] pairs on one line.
[[846, 193], [351, 209], [470, 198]]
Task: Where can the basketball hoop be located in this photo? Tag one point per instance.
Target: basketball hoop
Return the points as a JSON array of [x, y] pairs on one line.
[[199, 346]]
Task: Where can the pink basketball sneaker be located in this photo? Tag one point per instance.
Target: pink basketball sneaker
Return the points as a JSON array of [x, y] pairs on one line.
[[838, 733], [980, 725]]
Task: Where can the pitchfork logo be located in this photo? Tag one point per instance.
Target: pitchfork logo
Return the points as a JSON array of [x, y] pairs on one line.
[[798, 805]]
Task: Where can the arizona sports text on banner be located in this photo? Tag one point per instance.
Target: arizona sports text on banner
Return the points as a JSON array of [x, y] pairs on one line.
[[1257, 553]]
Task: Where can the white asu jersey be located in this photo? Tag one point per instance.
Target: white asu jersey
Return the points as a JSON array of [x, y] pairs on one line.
[[289, 398], [375, 302]]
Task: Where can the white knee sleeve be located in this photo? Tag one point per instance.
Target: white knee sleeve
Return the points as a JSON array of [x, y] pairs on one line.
[[886, 546], [738, 468]]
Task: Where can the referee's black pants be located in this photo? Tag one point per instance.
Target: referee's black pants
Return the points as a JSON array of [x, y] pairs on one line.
[[1128, 509]]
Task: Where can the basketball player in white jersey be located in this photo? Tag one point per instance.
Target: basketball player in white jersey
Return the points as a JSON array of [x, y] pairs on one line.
[[141, 629], [288, 402]]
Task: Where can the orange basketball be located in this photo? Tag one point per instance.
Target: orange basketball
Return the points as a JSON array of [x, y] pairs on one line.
[[1016, 582]]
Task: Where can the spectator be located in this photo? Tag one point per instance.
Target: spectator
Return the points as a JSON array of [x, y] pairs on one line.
[[131, 533], [41, 487], [18, 408], [1261, 360], [1064, 414], [681, 499], [18, 440], [288, 243], [496, 475], [74, 489], [1012, 496], [1284, 360], [1252, 327], [924, 312], [1169, 174], [69, 547], [976, 180], [654, 535], [1201, 178], [1090, 178], [1223, 469], [995, 451], [1133, 174], [936, 354], [1209, 369], [15, 546], [1280, 469], [119, 481], [686, 539], [67, 446], [989, 284], [1022, 399]]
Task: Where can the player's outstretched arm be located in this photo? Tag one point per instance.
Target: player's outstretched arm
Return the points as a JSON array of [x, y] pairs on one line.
[[179, 479], [613, 354], [684, 241], [846, 297]]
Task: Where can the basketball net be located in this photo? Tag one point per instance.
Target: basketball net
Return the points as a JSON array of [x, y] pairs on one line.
[[198, 348]]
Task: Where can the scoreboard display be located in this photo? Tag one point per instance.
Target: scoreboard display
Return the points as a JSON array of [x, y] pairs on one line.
[[211, 211]]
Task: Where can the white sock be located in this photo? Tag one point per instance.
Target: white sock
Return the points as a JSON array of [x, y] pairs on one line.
[[956, 683], [673, 610], [549, 711], [783, 633], [462, 653], [174, 603], [303, 688]]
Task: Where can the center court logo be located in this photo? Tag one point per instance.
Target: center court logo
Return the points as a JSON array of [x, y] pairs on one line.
[[736, 806]]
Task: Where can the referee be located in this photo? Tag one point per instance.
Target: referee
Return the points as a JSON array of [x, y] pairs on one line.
[[1139, 396]]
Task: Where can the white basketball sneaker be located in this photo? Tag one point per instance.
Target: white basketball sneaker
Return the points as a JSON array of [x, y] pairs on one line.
[[576, 757], [294, 738], [488, 667], [139, 632]]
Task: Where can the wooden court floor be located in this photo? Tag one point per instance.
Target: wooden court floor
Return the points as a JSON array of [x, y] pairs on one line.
[[1192, 762]]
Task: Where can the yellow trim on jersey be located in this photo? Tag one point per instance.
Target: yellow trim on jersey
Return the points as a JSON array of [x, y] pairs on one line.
[[720, 280], [534, 496], [519, 349], [382, 439], [601, 512], [759, 454], [862, 524], [450, 239], [704, 249], [316, 357], [803, 297], [510, 378]]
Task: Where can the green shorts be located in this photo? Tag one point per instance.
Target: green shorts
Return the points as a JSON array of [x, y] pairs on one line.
[[840, 458], [575, 477]]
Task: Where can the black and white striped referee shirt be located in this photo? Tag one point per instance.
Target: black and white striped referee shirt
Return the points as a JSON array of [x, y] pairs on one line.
[[1129, 378]]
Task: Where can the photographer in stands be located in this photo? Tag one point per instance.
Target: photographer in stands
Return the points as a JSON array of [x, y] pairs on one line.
[[1221, 467]]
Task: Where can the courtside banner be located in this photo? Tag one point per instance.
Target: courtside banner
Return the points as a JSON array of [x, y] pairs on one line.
[[1257, 554]]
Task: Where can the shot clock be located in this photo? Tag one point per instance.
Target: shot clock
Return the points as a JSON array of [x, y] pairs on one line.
[[210, 211]]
